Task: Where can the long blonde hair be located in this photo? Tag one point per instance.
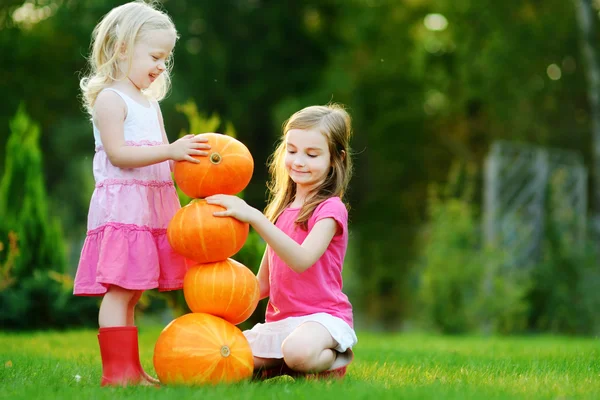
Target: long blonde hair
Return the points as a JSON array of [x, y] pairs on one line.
[[332, 121], [118, 32]]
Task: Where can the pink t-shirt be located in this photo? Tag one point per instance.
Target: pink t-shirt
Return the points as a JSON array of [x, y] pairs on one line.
[[319, 288]]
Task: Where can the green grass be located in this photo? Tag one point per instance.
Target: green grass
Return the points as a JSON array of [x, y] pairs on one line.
[[45, 365]]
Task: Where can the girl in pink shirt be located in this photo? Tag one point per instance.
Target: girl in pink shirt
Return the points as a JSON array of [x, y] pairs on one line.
[[308, 328]]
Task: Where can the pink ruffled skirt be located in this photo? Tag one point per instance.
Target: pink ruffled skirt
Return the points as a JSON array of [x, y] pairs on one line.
[[126, 243]]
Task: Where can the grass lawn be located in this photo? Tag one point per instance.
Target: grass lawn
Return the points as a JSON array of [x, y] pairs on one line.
[[67, 365]]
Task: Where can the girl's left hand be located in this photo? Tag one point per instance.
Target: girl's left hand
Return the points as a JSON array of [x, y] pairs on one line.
[[235, 207]]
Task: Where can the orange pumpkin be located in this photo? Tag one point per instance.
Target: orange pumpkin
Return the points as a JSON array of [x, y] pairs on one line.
[[197, 349], [226, 289], [198, 235], [227, 169]]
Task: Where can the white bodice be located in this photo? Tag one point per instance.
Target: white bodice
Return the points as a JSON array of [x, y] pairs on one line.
[[141, 123]]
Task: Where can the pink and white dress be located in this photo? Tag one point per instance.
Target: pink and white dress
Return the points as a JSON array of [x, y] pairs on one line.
[[126, 243]]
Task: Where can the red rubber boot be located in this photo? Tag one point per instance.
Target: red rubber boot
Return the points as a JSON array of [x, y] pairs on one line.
[[121, 358]]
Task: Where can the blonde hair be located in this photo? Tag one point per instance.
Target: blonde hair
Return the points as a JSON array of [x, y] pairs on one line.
[[118, 31], [332, 121]]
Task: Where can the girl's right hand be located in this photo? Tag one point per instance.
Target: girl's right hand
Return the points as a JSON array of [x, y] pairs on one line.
[[190, 145]]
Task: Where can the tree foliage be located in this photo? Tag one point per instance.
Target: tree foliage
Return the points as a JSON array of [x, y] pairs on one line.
[[34, 291]]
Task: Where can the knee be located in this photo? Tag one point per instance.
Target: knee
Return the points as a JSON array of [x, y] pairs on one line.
[[118, 294], [298, 358], [135, 298]]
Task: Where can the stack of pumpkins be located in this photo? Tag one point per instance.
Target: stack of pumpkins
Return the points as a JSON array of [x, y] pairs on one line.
[[205, 346]]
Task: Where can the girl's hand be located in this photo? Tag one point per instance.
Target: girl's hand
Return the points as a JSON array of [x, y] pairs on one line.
[[235, 207], [188, 146]]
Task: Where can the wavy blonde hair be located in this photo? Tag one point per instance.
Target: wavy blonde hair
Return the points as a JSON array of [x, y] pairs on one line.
[[332, 121], [118, 32]]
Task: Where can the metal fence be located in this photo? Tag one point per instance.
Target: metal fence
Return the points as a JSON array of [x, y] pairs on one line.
[[526, 186]]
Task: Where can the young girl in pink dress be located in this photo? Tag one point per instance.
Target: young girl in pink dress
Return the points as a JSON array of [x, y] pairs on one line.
[[126, 250], [308, 328]]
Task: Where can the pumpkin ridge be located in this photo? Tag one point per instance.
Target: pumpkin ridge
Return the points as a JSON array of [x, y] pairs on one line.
[[224, 370], [187, 245], [216, 331], [242, 295], [240, 155], [209, 369], [196, 278], [231, 292], [199, 229], [225, 269], [213, 280], [187, 349], [250, 305], [236, 171], [232, 234], [241, 361], [180, 228], [229, 143], [216, 338], [203, 327], [199, 184]]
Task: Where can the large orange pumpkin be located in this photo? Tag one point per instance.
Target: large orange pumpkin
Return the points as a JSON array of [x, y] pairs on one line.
[[226, 289], [198, 348], [227, 169], [198, 235]]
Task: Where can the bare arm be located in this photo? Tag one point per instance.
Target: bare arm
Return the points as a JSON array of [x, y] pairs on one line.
[[263, 277], [299, 257], [109, 115]]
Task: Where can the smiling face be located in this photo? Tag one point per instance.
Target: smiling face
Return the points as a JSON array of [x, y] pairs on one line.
[[307, 157], [149, 58]]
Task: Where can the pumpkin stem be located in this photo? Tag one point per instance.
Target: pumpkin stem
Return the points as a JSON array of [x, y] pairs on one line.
[[225, 352], [215, 158]]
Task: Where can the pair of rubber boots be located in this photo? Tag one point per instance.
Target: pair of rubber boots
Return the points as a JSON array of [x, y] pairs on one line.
[[121, 358]]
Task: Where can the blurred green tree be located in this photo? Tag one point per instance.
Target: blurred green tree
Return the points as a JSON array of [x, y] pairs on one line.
[[23, 201], [35, 292]]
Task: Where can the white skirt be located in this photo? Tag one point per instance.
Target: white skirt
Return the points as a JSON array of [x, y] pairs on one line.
[[266, 339]]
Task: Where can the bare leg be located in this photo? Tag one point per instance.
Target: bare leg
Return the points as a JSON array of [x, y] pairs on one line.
[[131, 308], [114, 307], [309, 348]]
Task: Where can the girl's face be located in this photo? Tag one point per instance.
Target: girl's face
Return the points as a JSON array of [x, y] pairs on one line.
[[307, 158], [150, 55]]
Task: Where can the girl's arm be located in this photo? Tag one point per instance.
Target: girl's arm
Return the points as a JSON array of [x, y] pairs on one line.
[[263, 277], [299, 257], [109, 115]]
